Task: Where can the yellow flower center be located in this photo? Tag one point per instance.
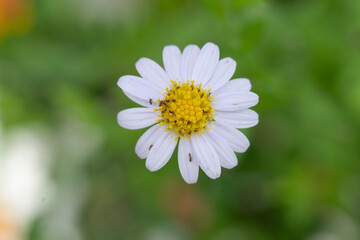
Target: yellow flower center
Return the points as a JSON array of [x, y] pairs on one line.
[[186, 108]]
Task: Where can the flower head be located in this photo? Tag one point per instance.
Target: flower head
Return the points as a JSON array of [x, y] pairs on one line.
[[186, 108], [193, 102]]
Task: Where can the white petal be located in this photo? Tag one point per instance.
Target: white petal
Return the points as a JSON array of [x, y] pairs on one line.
[[226, 154], [206, 63], [237, 140], [142, 102], [188, 59], [206, 156], [152, 72], [234, 101], [136, 118], [239, 119], [161, 152], [139, 90], [148, 140], [189, 168], [237, 85], [171, 59], [222, 74]]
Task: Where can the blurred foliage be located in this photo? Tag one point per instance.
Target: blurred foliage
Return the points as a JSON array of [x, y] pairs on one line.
[[298, 180]]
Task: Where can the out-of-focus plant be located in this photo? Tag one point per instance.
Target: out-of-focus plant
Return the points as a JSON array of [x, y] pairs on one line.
[[15, 17]]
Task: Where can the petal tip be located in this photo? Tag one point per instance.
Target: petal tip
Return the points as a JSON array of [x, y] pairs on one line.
[[211, 44], [120, 81], [191, 181], [151, 168]]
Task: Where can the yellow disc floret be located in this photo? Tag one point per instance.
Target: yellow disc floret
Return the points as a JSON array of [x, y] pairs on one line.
[[186, 108]]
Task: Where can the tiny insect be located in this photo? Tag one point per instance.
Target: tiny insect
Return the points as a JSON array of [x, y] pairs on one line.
[[150, 101], [173, 113], [162, 102], [190, 160], [150, 147]]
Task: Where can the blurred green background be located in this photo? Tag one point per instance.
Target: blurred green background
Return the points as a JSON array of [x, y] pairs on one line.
[[300, 179]]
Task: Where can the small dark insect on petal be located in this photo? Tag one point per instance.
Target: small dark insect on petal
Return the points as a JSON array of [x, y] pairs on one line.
[[150, 147], [150, 101], [190, 160]]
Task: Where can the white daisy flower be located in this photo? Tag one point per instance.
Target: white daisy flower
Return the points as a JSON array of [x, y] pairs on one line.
[[191, 102]]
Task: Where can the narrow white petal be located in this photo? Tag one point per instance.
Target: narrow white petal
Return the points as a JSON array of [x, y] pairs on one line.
[[226, 154], [148, 140], [206, 63], [152, 72], [239, 119], [237, 140], [188, 166], [234, 101], [236, 85], [188, 59], [206, 156], [136, 118], [171, 59], [222, 74], [139, 90], [161, 152], [140, 101]]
